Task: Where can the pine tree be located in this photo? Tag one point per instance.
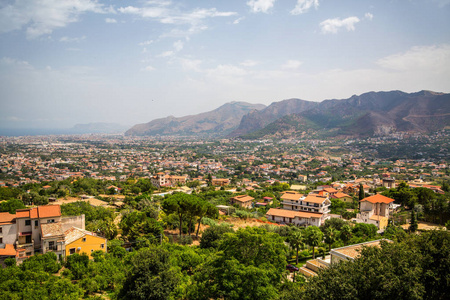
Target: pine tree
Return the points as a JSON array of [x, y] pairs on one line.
[[361, 192], [413, 223]]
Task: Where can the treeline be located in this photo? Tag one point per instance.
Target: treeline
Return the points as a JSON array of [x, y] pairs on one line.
[[432, 207], [245, 264]]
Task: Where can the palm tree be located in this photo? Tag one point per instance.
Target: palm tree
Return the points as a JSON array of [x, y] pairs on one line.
[[313, 237], [331, 236], [295, 239]]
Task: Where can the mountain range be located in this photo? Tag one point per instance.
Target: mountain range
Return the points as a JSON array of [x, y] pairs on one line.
[[369, 114]]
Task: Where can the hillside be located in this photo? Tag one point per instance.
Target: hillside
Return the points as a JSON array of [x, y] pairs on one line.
[[373, 113], [217, 122], [256, 120]]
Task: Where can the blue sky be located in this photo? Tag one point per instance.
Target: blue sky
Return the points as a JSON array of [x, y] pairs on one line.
[[64, 62]]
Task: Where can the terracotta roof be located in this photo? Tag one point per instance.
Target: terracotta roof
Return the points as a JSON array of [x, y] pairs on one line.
[[8, 250], [378, 199], [314, 199], [340, 195], [51, 230], [292, 213], [354, 250], [291, 196], [243, 198], [330, 190], [74, 233], [6, 218]]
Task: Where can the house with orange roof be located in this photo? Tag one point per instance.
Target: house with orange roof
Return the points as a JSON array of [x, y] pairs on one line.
[[309, 203], [243, 201], [299, 218], [343, 197], [36, 229], [375, 210]]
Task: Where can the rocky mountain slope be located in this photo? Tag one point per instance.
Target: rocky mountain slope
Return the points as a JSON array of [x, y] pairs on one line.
[[218, 122], [373, 113]]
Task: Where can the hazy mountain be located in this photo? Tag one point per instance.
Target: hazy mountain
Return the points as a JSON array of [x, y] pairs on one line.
[[218, 122], [373, 113]]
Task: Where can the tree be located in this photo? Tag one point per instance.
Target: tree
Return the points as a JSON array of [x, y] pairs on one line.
[[413, 222], [11, 206], [295, 239], [361, 192], [248, 265], [313, 236], [416, 268], [331, 236], [151, 276], [346, 233], [212, 236], [177, 203], [206, 210]]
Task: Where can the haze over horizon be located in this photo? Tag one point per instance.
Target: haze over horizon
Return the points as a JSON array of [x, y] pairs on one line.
[[69, 62]]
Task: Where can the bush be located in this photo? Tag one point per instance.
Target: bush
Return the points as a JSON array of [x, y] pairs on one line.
[[186, 240], [208, 221]]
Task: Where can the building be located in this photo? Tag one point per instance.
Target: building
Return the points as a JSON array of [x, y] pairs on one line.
[[343, 197], [80, 241], [347, 253], [161, 179], [39, 229], [220, 181], [389, 182], [243, 201], [299, 218], [375, 210], [309, 203]]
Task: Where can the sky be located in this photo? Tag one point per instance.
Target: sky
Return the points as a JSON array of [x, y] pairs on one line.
[[65, 62]]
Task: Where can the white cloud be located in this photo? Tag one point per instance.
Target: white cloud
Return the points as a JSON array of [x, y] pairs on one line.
[[110, 20], [13, 62], [263, 6], [238, 20], [166, 54], [67, 39], [178, 45], [249, 63], [163, 12], [44, 16], [418, 58], [333, 25], [303, 6], [145, 43], [190, 64], [149, 68], [292, 64], [368, 16]]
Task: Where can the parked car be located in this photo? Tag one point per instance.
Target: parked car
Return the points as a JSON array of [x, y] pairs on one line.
[[292, 268]]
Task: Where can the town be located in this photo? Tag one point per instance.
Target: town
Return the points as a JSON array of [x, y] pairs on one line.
[[76, 197]]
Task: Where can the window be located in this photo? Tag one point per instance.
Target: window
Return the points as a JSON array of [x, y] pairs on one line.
[[36, 223], [27, 222], [84, 239], [1, 240], [28, 254], [102, 246], [28, 239], [1, 229], [51, 221], [72, 251]]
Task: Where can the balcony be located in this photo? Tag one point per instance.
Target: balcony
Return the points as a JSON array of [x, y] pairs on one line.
[[51, 248]]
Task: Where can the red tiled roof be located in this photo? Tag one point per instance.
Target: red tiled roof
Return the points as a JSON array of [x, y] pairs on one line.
[[8, 250], [49, 211], [6, 217], [292, 213], [378, 199], [39, 212]]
